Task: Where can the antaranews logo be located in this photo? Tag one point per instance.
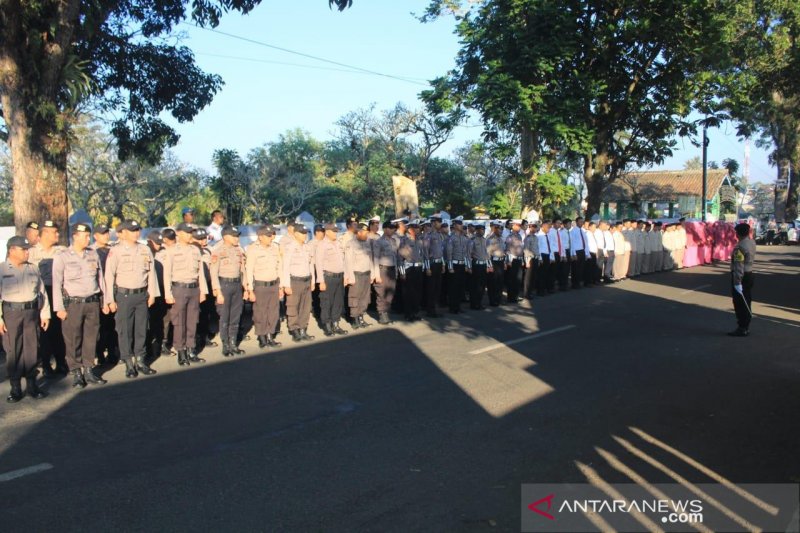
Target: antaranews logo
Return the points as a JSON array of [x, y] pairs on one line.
[[549, 501]]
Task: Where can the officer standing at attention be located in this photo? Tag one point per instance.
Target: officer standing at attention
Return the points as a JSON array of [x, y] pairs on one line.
[[530, 248], [515, 258], [319, 237], [184, 288], [410, 264], [132, 288], [263, 268], [329, 266], [208, 326], [458, 264], [434, 264], [79, 293], [107, 345], [386, 261], [359, 272], [51, 342], [168, 240], [399, 235], [24, 309], [155, 316], [480, 262], [742, 278], [495, 245], [32, 233], [297, 279], [227, 267]]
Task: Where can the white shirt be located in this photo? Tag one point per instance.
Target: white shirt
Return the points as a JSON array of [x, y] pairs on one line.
[[600, 239], [553, 240], [591, 241], [545, 249], [214, 233], [564, 233], [578, 240], [609, 241]]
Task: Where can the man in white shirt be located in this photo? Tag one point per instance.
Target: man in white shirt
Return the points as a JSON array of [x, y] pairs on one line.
[[608, 252], [214, 230], [680, 242], [658, 247], [579, 251], [622, 255], [545, 275], [592, 272], [562, 235]]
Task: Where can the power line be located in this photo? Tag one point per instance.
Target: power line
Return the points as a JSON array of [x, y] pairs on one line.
[[300, 65], [309, 56]]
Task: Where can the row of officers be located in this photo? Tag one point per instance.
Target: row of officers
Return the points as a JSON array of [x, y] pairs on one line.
[[71, 304]]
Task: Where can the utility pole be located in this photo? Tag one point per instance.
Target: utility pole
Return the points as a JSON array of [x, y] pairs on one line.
[[705, 168]]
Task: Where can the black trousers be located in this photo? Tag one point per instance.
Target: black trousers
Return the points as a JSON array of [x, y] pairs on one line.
[[298, 304], [529, 282], [266, 309], [433, 287], [358, 296], [20, 342], [562, 271], [107, 340], [744, 313], [496, 282], [608, 265], [51, 342], [158, 326], [412, 291], [230, 312], [331, 300], [185, 315], [544, 276], [131, 324], [385, 291], [514, 279], [477, 286], [80, 333], [455, 287], [577, 269]]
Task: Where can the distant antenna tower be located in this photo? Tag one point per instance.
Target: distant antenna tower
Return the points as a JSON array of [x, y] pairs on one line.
[[746, 171]]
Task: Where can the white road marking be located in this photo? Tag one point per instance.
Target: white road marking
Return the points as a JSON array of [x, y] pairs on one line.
[[14, 474], [522, 339], [696, 288]]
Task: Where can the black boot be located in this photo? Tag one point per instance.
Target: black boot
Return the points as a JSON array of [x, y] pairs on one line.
[[77, 379], [272, 342], [363, 322], [143, 367], [337, 329], [165, 349], [182, 360], [193, 357], [226, 349], [305, 336], [93, 378], [16, 392], [47, 370], [33, 389], [296, 337], [327, 328], [235, 350], [355, 324], [262, 341], [383, 319], [130, 369]]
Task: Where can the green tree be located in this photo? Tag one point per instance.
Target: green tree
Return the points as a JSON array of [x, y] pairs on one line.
[[59, 56]]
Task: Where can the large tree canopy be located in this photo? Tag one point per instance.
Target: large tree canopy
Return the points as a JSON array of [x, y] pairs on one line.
[[59, 56]]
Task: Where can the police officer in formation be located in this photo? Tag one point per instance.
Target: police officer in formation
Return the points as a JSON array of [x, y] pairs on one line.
[[229, 287], [263, 269]]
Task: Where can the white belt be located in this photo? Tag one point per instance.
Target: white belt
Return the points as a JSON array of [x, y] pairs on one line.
[[413, 265], [459, 262], [440, 260]]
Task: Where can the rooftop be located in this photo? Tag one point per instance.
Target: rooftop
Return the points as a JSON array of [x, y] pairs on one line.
[[665, 185]]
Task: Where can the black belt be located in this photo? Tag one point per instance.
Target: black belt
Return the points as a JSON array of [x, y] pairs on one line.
[[123, 290], [333, 274], [387, 266], [296, 278], [230, 280], [257, 283], [21, 306], [77, 300], [192, 285], [367, 273]]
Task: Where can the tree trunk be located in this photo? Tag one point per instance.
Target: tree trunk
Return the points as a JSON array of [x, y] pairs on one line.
[[790, 211], [530, 192], [39, 168], [781, 186], [594, 174]]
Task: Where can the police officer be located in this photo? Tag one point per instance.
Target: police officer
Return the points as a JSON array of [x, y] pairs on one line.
[[399, 234], [263, 268], [32, 233], [297, 279], [107, 345], [24, 309], [530, 247], [385, 250], [496, 247], [155, 315], [51, 343], [79, 294], [360, 272], [168, 240], [132, 288], [742, 278], [184, 288], [208, 325], [329, 266], [410, 262], [458, 264], [480, 262], [515, 257], [434, 264], [227, 267]]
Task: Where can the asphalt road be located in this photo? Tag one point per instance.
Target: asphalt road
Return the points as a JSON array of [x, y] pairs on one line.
[[426, 427]]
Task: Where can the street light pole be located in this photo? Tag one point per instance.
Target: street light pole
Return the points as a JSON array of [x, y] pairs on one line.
[[705, 169]]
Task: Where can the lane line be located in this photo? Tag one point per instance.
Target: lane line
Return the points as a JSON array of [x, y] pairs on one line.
[[14, 474], [696, 288], [521, 339]]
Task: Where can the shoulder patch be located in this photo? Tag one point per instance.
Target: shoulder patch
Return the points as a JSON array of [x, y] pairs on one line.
[[738, 256]]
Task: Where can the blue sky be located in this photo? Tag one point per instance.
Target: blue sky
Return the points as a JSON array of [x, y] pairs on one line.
[[263, 97]]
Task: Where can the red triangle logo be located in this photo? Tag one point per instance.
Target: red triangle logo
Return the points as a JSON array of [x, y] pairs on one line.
[[534, 506]]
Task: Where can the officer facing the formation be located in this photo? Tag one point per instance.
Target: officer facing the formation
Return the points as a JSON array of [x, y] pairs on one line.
[[385, 253], [130, 278], [263, 268], [359, 274], [297, 279], [79, 292], [51, 343], [227, 267], [742, 279], [329, 265], [458, 264], [184, 289], [24, 309], [410, 255]]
